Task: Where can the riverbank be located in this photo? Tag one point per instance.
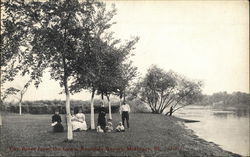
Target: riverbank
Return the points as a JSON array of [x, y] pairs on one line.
[[211, 146], [149, 135]]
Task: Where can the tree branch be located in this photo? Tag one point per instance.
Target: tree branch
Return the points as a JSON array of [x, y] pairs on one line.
[[180, 107], [181, 98]]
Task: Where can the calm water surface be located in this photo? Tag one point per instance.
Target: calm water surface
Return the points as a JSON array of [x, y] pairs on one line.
[[228, 128]]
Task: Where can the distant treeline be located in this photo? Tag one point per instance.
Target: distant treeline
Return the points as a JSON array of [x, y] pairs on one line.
[[49, 106], [220, 99], [226, 99]]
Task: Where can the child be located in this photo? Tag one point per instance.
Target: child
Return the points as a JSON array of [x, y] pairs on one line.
[[99, 129], [120, 128], [109, 127]]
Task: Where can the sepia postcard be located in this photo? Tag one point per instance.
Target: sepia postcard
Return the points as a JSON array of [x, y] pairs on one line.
[[124, 78]]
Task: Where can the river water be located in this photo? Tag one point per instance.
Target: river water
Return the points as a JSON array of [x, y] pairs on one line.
[[229, 128]]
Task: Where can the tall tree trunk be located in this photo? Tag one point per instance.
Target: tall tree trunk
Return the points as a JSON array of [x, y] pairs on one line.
[[92, 114], [20, 108], [65, 81], [110, 114], [68, 115], [69, 125], [1, 101], [124, 96], [20, 104], [120, 104], [102, 98], [1, 123]]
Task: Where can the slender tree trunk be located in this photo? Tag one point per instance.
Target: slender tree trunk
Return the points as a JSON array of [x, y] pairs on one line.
[[20, 104], [92, 114], [152, 108], [20, 108], [110, 114], [124, 96], [120, 104], [102, 98], [1, 101], [1, 123], [69, 125], [68, 115]]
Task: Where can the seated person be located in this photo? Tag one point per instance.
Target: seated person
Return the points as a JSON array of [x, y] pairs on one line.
[[120, 128], [109, 127], [99, 129], [78, 121], [56, 122]]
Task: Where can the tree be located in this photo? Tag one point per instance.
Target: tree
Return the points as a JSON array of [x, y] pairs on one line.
[[109, 60], [14, 91], [46, 35], [88, 67], [104, 71], [113, 69], [127, 74], [160, 89], [109, 72], [188, 93], [226, 99], [115, 73], [103, 57]]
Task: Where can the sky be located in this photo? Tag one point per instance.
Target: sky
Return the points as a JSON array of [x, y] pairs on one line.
[[203, 40]]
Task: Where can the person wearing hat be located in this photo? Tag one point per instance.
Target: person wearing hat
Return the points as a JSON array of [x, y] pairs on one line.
[[125, 110], [56, 122], [102, 117]]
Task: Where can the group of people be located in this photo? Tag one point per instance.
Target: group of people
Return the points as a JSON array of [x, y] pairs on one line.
[[79, 124], [77, 121]]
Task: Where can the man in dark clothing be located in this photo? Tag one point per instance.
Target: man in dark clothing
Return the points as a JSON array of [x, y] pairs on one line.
[[171, 111], [56, 122], [102, 118]]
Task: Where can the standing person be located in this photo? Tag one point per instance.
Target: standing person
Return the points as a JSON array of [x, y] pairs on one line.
[[171, 111], [102, 118], [56, 122], [125, 110]]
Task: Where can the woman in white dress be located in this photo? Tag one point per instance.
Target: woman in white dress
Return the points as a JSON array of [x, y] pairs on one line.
[[78, 121]]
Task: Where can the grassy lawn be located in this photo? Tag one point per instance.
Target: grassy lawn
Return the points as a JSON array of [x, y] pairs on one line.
[[149, 135]]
